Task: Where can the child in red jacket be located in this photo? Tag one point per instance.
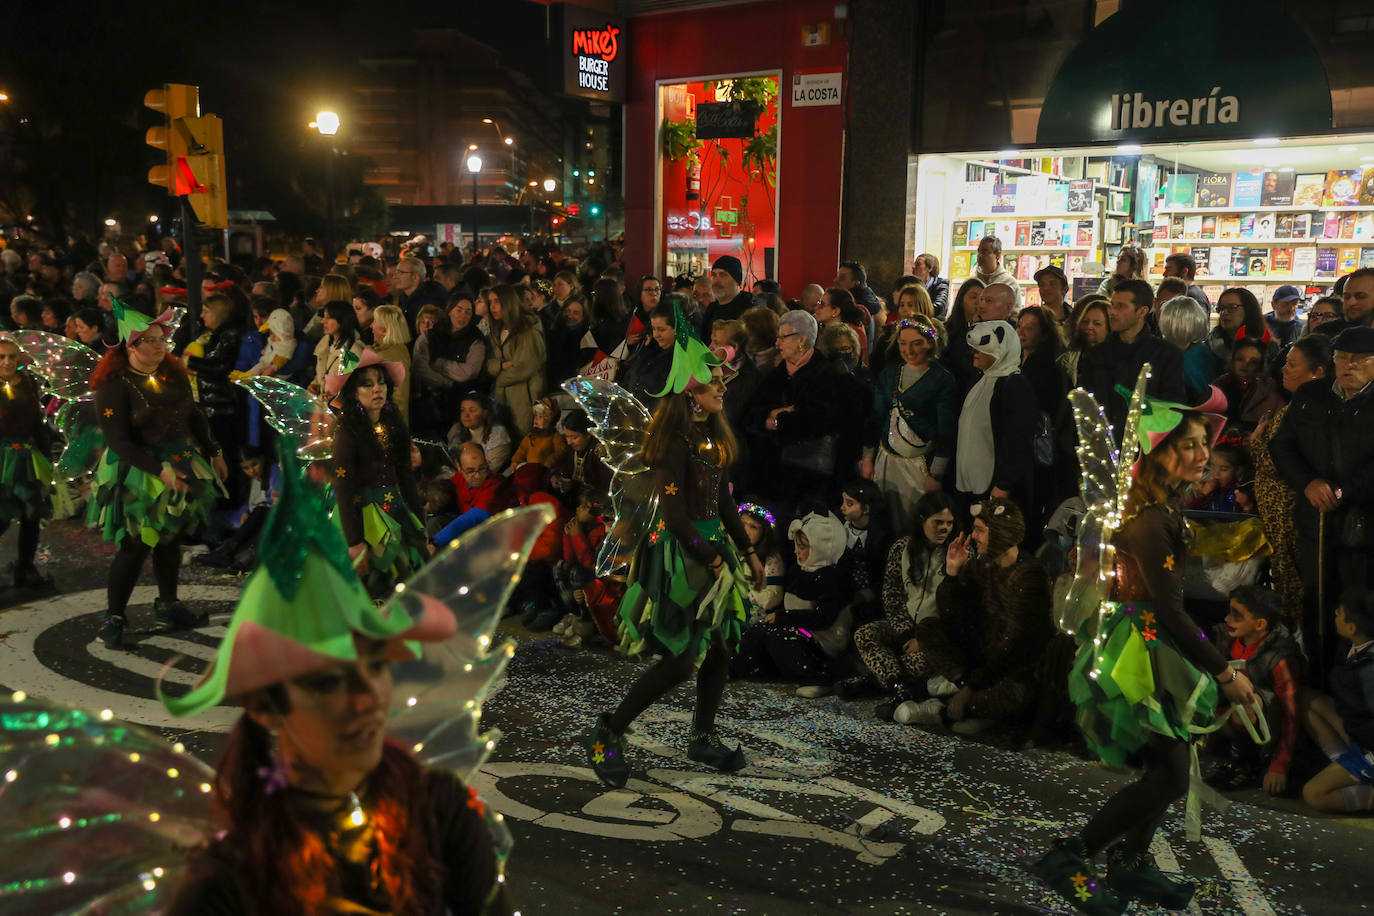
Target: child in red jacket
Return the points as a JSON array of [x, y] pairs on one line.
[[592, 601]]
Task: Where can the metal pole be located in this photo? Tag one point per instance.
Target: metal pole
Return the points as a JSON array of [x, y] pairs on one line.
[[1317, 654], [476, 248], [329, 205]]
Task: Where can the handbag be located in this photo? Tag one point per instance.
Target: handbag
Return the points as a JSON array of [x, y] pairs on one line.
[[1042, 445], [814, 456], [901, 438], [1357, 529]]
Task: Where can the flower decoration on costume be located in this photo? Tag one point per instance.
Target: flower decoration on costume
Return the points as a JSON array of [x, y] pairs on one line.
[[1169, 562], [671, 489], [692, 359]]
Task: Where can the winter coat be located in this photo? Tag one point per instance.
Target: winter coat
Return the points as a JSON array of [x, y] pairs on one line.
[[1115, 362], [522, 383], [1326, 437], [818, 410], [1352, 687], [215, 394], [429, 292], [938, 287], [544, 447]]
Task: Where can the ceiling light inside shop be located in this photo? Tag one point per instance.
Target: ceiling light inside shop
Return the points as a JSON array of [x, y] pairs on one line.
[[1128, 148], [1265, 141], [1347, 149]]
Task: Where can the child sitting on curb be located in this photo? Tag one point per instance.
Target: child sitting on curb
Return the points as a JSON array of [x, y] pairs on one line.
[[1343, 724]]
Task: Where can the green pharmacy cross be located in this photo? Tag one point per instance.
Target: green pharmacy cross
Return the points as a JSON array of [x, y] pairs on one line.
[[726, 218]]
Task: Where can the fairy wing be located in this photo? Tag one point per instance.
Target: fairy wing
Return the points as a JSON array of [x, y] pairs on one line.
[[96, 815], [621, 423], [293, 411], [438, 696], [64, 365]]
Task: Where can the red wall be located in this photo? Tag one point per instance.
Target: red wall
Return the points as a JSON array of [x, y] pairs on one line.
[[721, 42]]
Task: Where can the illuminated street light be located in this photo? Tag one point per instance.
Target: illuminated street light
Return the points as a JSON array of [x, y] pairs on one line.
[[152, 217], [474, 163], [487, 121], [326, 122], [110, 222], [550, 184], [508, 141], [472, 146], [4, 97]]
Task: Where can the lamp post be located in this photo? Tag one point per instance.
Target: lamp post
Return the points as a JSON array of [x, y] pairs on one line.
[[474, 164], [327, 123], [507, 140]]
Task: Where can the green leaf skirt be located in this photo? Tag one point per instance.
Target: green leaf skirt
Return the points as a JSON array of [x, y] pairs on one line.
[[1129, 682], [394, 536], [26, 483], [127, 502], [676, 604]]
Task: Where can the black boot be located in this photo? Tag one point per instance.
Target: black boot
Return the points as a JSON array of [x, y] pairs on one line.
[[177, 616], [1067, 871], [1134, 876], [222, 557], [706, 748], [606, 753], [26, 575], [112, 631]]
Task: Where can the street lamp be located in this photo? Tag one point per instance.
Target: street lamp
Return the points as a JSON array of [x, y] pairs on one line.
[[327, 123], [474, 164], [507, 140], [549, 185]]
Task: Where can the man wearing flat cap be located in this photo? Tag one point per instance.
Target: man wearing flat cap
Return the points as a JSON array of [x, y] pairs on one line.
[[727, 276], [1324, 449]]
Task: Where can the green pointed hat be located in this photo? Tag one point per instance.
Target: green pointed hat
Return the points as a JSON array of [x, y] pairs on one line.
[[132, 323], [303, 603], [692, 360]]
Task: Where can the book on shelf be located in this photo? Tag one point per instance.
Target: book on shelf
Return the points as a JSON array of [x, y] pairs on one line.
[[1331, 226], [1264, 225], [1364, 226], [1259, 291], [1032, 195], [1080, 196], [975, 231], [977, 196], [1011, 262], [1228, 226], [1367, 187], [1175, 227], [1160, 233], [1068, 230], [1214, 190], [1181, 190], [1157, 265], [1057, 199], [1308, 189], [1283, 226], [1304, 261], [1192, 227], [959, 236], [960, 265], [1247, 189], [1258, 261], [1209, 227], [1347, 259], [1119, 201], [1247, 225], [1239, 262], [1004, 197], [1213, 291], [1347, 226], [1073, 267], [1342, 188], [1302, 225], [1032, 296], [1057, 260], [1004, 229], [1037, 232], [1221, 256], [1281, 262], [1366, 257], [1052, 230], [1203, 257], [1278, 189], [1326, 262], [1023, 228]]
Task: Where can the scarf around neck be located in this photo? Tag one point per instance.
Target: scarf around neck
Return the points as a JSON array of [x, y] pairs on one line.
[[976, 457]]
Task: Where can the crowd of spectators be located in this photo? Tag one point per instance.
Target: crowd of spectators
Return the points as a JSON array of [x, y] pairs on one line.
[[907, 459]]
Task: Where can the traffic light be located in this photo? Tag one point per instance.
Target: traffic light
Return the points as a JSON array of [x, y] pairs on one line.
[[194, 145], [596, 210]]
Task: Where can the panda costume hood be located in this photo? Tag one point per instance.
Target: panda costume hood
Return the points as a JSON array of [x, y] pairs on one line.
[[976, 455]]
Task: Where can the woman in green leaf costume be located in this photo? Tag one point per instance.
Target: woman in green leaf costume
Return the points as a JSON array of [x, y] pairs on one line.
[[1145, 679], [26, 477], [686, 596]]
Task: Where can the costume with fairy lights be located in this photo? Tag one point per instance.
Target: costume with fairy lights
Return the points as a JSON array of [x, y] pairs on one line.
[[676, 530], [1145, 677], [379, 503], [79, 784], [152, 430], [26, 474]]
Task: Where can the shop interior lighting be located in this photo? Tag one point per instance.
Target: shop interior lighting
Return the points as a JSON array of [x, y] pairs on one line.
[[1128, 148], [1265, 141]]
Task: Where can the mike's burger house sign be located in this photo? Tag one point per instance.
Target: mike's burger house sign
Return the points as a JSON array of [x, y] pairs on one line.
[[594, 56]]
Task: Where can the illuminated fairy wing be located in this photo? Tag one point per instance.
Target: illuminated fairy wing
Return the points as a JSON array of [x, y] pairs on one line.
[[620, 424], [84, 440], [178, 316], [293, 411], [1104, 482], [64, 365], [96, 815], [438, 696]]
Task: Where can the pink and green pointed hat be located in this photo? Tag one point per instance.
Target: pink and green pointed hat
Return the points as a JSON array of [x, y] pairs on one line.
[[303, 604], [692, 359]]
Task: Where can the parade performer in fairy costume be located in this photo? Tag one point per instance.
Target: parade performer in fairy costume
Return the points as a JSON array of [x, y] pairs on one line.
[[160, 473], [1145, 678], [675, 516], [26, 474], [379, 502]]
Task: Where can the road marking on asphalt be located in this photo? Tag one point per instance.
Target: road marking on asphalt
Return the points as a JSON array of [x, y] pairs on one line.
[[1246, 889], [182, 647], [127, 661], [1168, 863], [20, 669]]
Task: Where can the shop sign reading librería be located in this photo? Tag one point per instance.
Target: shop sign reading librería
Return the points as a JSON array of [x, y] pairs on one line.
[[1133, 110], [594, 65]]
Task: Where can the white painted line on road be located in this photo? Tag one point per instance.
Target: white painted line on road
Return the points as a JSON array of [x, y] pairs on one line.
[[1168, 863], [1249, 897], [127, 661], [182, 647]]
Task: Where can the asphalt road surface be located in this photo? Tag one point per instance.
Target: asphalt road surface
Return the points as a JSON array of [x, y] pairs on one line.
[[838, 813]]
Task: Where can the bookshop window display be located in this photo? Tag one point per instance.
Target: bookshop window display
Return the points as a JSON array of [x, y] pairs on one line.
[[1255, 213], [718, 173]]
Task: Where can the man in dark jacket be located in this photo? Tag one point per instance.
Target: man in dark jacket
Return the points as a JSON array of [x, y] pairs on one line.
[[1183, 265], [853, 277], [727, 276], [412, 290], [1324, 449], [926, 267], [1357, 303], [1119, 358]]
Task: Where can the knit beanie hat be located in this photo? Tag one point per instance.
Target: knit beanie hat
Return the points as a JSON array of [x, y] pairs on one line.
[[731, 265], [1006, 525]]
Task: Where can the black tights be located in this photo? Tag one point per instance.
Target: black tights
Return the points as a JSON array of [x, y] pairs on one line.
[[670, 671], [1136, 812], [28, 540], [128, 565]]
